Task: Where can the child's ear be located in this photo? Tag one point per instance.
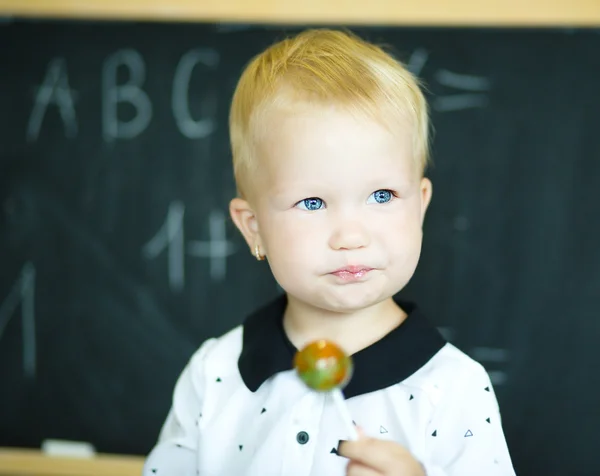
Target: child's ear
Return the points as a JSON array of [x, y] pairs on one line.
[[426, 192], [244, 218]]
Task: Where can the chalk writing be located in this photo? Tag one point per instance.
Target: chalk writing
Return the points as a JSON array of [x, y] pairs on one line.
[[130, 92], [23, 292], [476, 86], [171, 237], [54, 90], [217, 248], [180, 102]]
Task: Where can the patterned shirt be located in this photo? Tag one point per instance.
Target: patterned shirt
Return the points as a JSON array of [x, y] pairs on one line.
[[239, 409]]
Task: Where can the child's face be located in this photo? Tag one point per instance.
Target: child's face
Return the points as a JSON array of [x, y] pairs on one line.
[[336, 193]]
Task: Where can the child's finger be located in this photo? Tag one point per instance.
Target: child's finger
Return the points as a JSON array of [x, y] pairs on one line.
[[375, 454], [357, 469]]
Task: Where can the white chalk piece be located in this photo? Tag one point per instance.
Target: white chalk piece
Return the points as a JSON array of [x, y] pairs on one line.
[[69, 449]]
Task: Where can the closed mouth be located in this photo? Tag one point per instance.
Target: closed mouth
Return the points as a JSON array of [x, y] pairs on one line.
[[351, 273]]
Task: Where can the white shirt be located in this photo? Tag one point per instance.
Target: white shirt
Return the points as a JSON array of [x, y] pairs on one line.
[[239, 409]]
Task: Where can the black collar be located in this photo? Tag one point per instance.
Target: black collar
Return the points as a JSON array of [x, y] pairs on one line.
[[267, 350]]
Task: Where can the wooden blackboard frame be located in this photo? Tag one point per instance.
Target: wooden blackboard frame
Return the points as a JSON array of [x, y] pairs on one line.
[[496, 13]]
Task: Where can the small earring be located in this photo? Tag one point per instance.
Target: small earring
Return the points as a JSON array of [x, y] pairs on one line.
[[257, 254]]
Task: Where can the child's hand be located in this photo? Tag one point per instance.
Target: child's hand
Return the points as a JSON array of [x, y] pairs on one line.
[[373, 457]]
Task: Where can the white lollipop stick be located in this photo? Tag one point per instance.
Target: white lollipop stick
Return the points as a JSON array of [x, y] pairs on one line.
[[340, 403]]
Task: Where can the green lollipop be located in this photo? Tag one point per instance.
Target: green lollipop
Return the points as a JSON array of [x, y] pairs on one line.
[[323, 366]]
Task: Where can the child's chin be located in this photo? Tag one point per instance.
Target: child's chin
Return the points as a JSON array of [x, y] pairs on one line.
[[351, 301]]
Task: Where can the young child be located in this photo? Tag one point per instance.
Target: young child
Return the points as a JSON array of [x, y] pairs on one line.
[[330, 143]]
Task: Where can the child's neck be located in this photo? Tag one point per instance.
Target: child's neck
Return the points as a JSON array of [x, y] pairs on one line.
[[351, 331]]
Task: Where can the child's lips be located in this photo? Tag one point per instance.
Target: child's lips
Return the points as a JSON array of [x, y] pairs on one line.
[[352, 273]]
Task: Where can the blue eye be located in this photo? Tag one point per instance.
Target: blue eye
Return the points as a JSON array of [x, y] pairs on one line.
[[310, 204], [381, 196]]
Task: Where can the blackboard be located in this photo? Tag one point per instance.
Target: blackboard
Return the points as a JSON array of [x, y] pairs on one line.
[[118, 258]]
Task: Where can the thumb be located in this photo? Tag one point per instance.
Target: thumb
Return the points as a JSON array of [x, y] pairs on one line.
[[361, 433]]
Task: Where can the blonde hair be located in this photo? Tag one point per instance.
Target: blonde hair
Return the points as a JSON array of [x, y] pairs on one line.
[[324, 67]]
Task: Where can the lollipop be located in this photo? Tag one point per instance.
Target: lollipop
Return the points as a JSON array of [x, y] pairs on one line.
[[324, 367]]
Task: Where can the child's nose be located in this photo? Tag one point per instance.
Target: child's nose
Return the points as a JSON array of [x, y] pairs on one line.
[[349, 235]]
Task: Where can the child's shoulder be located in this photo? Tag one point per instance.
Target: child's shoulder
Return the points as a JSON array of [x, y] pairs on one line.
[[450, 370], [450, 359], [222, 351]]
